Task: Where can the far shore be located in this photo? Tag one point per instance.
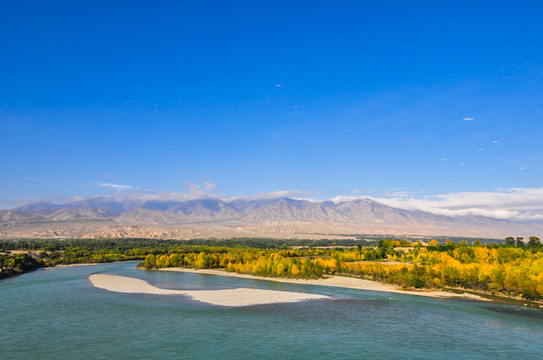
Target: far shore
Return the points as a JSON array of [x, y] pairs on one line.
[[86, 264], [338, 281], [72, 265]]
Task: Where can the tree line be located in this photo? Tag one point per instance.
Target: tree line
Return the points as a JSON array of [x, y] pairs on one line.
[[497, 268], [511, 267]]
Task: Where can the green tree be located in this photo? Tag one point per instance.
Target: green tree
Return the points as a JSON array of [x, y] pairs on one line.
[[534, 242], [510, 241]]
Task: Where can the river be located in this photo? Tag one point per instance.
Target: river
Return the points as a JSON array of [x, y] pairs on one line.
[[57, 314]]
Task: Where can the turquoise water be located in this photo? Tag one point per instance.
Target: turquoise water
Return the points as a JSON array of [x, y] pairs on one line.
[[58, 314]]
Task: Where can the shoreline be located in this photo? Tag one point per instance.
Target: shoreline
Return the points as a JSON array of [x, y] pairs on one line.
[[85, 264], [338, 281], [71, 265]]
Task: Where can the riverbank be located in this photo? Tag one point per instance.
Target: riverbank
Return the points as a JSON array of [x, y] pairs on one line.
[[338, 281], [89, 263], [75, 265]]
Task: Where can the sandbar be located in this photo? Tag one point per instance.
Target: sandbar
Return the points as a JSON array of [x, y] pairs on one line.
[[339, 281], [225, 297]]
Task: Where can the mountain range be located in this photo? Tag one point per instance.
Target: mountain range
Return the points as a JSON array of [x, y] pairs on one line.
[[278, 218]]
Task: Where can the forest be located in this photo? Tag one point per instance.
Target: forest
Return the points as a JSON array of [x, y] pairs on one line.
[[16, 264], [513, 267]]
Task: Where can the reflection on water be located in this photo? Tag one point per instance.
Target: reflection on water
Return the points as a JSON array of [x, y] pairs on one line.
[[528, 312]]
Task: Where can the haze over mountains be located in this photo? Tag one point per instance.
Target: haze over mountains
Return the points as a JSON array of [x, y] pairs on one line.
[[279, 217]]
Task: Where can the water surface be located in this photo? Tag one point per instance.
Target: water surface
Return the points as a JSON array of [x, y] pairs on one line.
[[57, 314]]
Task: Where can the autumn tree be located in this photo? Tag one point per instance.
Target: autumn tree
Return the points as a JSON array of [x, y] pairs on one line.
[[150, 261]]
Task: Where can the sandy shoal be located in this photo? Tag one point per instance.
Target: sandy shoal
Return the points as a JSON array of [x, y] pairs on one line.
[[73, 265], [338, 281], [226, 297]]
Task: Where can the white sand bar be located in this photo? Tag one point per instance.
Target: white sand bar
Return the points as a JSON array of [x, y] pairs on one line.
[[226, 297], [339, 281]]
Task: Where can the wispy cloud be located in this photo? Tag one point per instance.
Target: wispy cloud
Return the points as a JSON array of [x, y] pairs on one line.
[[300, 194], [200, 191], [208, 185], [118, 187], [468, 119], [402, 194], [194, 192], [298, 110]]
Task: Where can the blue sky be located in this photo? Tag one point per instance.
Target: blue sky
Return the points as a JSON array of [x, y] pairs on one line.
[[315, 99]]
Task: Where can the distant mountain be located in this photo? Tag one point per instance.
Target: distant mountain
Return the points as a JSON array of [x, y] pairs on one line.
[[41, 206], [114, 207], [280, 217], [9, 216]]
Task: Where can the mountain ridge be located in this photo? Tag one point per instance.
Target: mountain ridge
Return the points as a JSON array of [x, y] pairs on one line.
[[275, 217]]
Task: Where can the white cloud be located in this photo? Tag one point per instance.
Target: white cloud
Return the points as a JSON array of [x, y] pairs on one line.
[[279, 85], [402, 194], [522, 204], [278, 194], [201, 191], [118, 187], [468, 119], [195, 192], [208, 185]]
